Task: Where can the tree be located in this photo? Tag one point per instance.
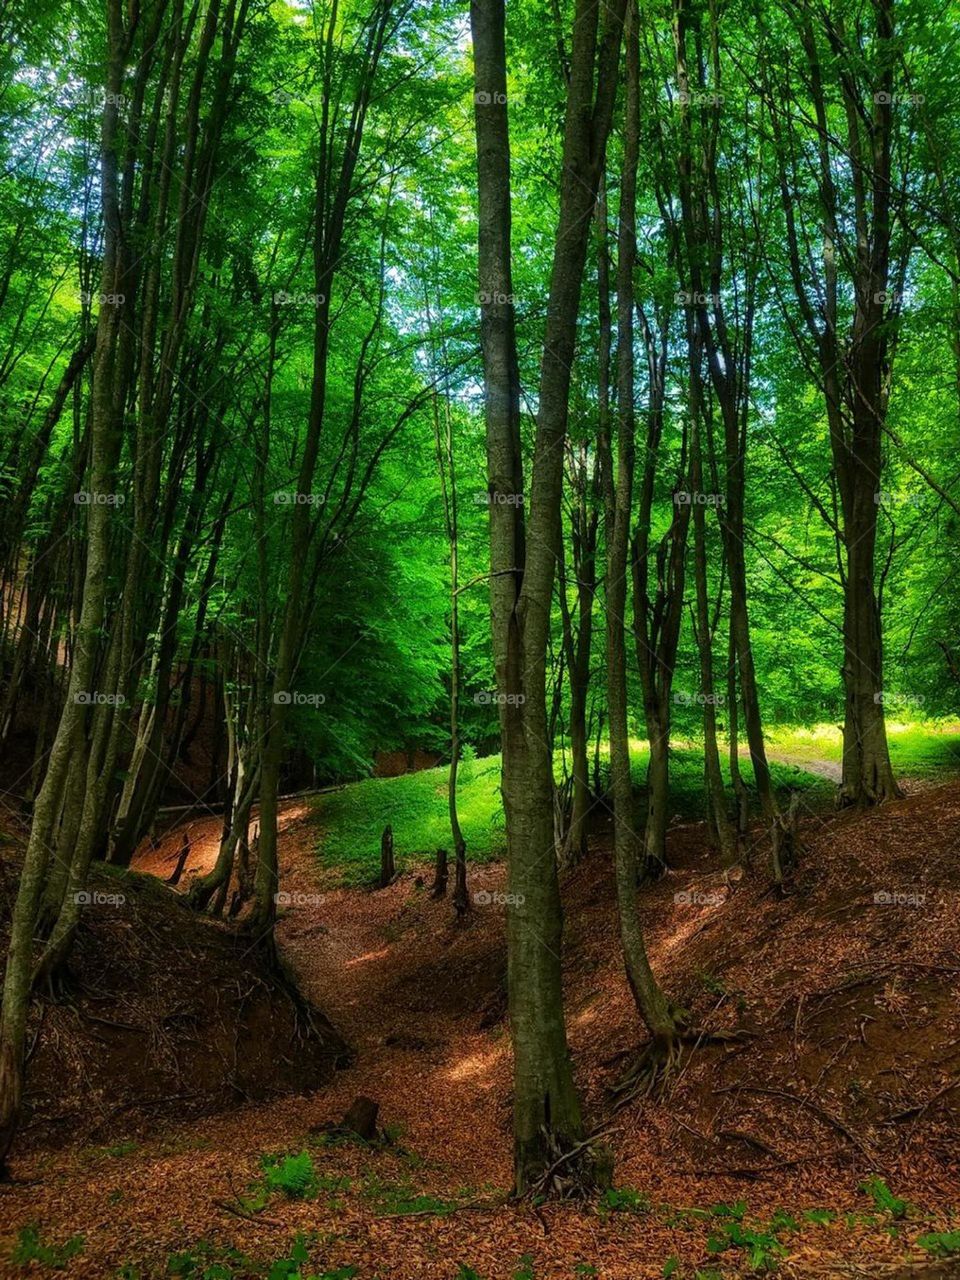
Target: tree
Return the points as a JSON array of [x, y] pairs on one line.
[[547, 1119]]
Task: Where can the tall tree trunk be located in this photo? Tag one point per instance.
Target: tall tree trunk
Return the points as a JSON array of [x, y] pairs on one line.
[[718, 816], [652, 1005], [547, 1118]]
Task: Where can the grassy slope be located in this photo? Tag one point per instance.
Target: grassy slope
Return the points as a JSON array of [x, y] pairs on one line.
[[929, 751], [415, 805]]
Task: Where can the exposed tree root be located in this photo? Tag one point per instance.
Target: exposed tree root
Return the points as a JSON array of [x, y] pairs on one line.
[[576, 1173], [650, 1071], [659, 1060]]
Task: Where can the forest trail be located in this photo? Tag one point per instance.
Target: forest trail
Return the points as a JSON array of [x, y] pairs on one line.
[[829, 769], [834, 988]]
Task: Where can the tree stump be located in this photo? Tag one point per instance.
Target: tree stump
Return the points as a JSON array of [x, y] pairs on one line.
[[361, 1119], [181, 861], [387, 865], [441, 875], [785, 843], [461, 896]]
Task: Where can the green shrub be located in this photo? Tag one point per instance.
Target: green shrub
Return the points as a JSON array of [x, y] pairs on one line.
[[623, 1200]]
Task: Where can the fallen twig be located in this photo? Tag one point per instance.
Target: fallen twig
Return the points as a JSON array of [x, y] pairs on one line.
[[249, 1217]]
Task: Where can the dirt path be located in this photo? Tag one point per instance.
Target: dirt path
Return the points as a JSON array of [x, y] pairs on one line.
[[829, 769]]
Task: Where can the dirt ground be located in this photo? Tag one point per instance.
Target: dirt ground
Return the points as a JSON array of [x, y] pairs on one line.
[[846, 1066]]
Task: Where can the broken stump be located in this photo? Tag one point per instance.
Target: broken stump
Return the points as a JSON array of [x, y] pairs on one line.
[[387, 865], [361, 1119]]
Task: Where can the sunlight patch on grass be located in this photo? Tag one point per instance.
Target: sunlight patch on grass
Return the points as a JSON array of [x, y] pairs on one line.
[[918, 749]]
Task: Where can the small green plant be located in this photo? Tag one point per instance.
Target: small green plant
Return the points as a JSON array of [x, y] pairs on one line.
[[823, 1217], [884, 1199], [735, 1210], [31, 1248], [394, 1199], [119, 1149], [716, 986], [585, 1269], [524, 1270], [467, 1273], [195, 1264], [294, 1175], [940, 1243], [762, 1248], [671, 1266], [291, 1266], [623, 1200], [182, 1264]]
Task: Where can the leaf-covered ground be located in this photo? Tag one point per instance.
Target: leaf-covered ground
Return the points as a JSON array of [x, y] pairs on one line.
[[823, 1141]]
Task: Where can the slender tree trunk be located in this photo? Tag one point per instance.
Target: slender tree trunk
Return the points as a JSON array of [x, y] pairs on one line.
[[547, 1118], [68, 740], [651, 1003], [716, 794]]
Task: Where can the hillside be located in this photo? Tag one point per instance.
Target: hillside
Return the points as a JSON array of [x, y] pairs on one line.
[[161, 1014]]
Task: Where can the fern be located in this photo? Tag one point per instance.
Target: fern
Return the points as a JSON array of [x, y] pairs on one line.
[[294, 1175], [883, 1197], [940, 1242]]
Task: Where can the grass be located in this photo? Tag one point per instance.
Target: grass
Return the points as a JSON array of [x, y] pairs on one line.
[[925, 750], [351, 820], [415, 806]]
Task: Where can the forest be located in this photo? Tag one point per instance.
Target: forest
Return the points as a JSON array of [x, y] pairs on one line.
[[479, 639]]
